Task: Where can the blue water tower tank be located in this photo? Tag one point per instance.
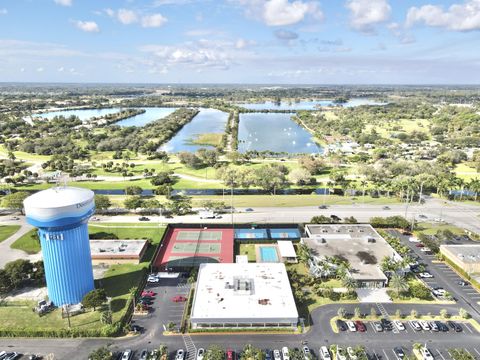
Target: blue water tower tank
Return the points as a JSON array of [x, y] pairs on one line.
[[61, 215]]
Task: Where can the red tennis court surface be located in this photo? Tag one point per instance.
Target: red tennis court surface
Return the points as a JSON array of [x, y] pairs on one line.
[[190, 247]]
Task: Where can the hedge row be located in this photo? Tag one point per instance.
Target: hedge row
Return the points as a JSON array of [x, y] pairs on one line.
[[106, 331]]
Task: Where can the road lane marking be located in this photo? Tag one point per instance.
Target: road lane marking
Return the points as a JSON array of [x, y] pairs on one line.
[[386, 354]]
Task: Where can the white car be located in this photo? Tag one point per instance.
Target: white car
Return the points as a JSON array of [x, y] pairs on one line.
[[341, 354], [200, 353], [426, 354], [324, 353], [127, 354], [351, 353], [285, 353], [153, 279], [438, 219], [425, 275], [425, 249], [399, 325], [276, 355], [306, 353], [180, 355], [439, 292], [351, 326], [424, 325], [413, 239]]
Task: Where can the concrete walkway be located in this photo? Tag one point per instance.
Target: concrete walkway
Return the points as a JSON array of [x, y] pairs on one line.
[[8, 254]]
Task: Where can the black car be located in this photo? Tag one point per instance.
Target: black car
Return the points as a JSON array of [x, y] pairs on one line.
[[136, 328], [335, 217], [399, 352], [341, 325], [143, 218], [456, 327], [323, 207], [387, 324], [268, 354]]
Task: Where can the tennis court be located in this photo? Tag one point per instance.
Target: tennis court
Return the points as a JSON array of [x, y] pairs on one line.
[[246, 234], [187, 247], [284, 233]]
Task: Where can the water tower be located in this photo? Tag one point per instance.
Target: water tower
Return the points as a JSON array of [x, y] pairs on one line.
[[61, 215]]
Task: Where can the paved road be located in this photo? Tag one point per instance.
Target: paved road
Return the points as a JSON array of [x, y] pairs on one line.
[[8, 254]]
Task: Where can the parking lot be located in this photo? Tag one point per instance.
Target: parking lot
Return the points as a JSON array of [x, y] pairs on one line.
[[164, 310]]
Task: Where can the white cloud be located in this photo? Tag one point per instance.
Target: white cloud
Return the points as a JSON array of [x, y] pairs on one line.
[[458, 17], [281, 12], [61, 69], [40, 69], [242, 43], [153, 20], [110, 12], [87, 26], [64, 2], [126, 16], [364, 14], [22, 69], [3, 11], [399, 32]]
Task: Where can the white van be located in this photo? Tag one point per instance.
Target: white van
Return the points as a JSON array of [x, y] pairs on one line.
[[285, 353], [324, 353]]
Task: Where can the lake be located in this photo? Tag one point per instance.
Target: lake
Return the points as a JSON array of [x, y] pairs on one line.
[[150, 114], [275, 132], [206, 121], [306, 105]]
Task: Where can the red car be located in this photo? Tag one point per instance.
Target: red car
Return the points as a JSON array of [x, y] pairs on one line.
[[420, 245], [179, 298], [360, 326], [148, 293], [230, 354]]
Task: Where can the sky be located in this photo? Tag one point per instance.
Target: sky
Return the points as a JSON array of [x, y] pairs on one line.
[[241, 41]]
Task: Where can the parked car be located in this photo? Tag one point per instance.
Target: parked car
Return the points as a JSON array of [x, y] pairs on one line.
[[441, 326], [230, 354], [425, 249], [399, 325], [285, 353], [307, 355], [147, 298], [425, 326], [377, 325], [324, 353], [179, 298], [341, 325], [455, 326], [439, 292], [200, 353], [153, 279], [148, 293], [341, 353], [419, 245], [399, 353], [421, 216], [143, 218], [433, 326], [425, 275], [360, 326], [463, 283], [11, 356], [276, 355], [268, 354], [351, 326], [387, 324], [127, 355], [415, 325], [180, 354], [143, 355], [426, 354], [351, 353], [323, 207], [136, 328], [145, 302]]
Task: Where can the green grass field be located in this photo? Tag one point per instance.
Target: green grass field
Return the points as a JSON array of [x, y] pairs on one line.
[[249, 250], [432, 228], [27, 243], [7, 230]]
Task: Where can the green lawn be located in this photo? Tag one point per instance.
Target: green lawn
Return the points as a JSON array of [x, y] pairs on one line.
[[7, 230], [128, 231], [432, 228], [27, 243], [249, 250]]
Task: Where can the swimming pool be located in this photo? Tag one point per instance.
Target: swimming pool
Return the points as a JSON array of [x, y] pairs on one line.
[[268, 254]]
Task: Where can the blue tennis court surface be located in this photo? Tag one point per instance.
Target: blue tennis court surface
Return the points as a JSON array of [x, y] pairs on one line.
[[285, 233], [268, 254], [243, 234]]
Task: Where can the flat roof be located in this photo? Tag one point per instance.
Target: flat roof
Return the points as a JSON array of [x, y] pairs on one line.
[[117, 249], [466, 253], [359, 244], [286, 249], [243, 292]]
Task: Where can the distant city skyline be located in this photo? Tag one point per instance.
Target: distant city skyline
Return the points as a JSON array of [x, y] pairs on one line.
[[241, 41]]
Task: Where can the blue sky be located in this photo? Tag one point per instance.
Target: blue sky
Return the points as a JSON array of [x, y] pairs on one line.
[[241, 41]]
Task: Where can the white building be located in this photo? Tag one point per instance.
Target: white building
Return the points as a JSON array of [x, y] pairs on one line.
[[287, 251], [243, 295]]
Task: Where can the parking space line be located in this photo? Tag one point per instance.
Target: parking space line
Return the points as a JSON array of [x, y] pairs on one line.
[[476, 351], [386, 354], [373, 327], [376, 356], [468, 327], [439, 353]]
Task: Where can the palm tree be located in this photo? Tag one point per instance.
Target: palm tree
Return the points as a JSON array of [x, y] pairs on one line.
[[350, 283], [474, 185], [303, 252], [398, 283], [363, 183]]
